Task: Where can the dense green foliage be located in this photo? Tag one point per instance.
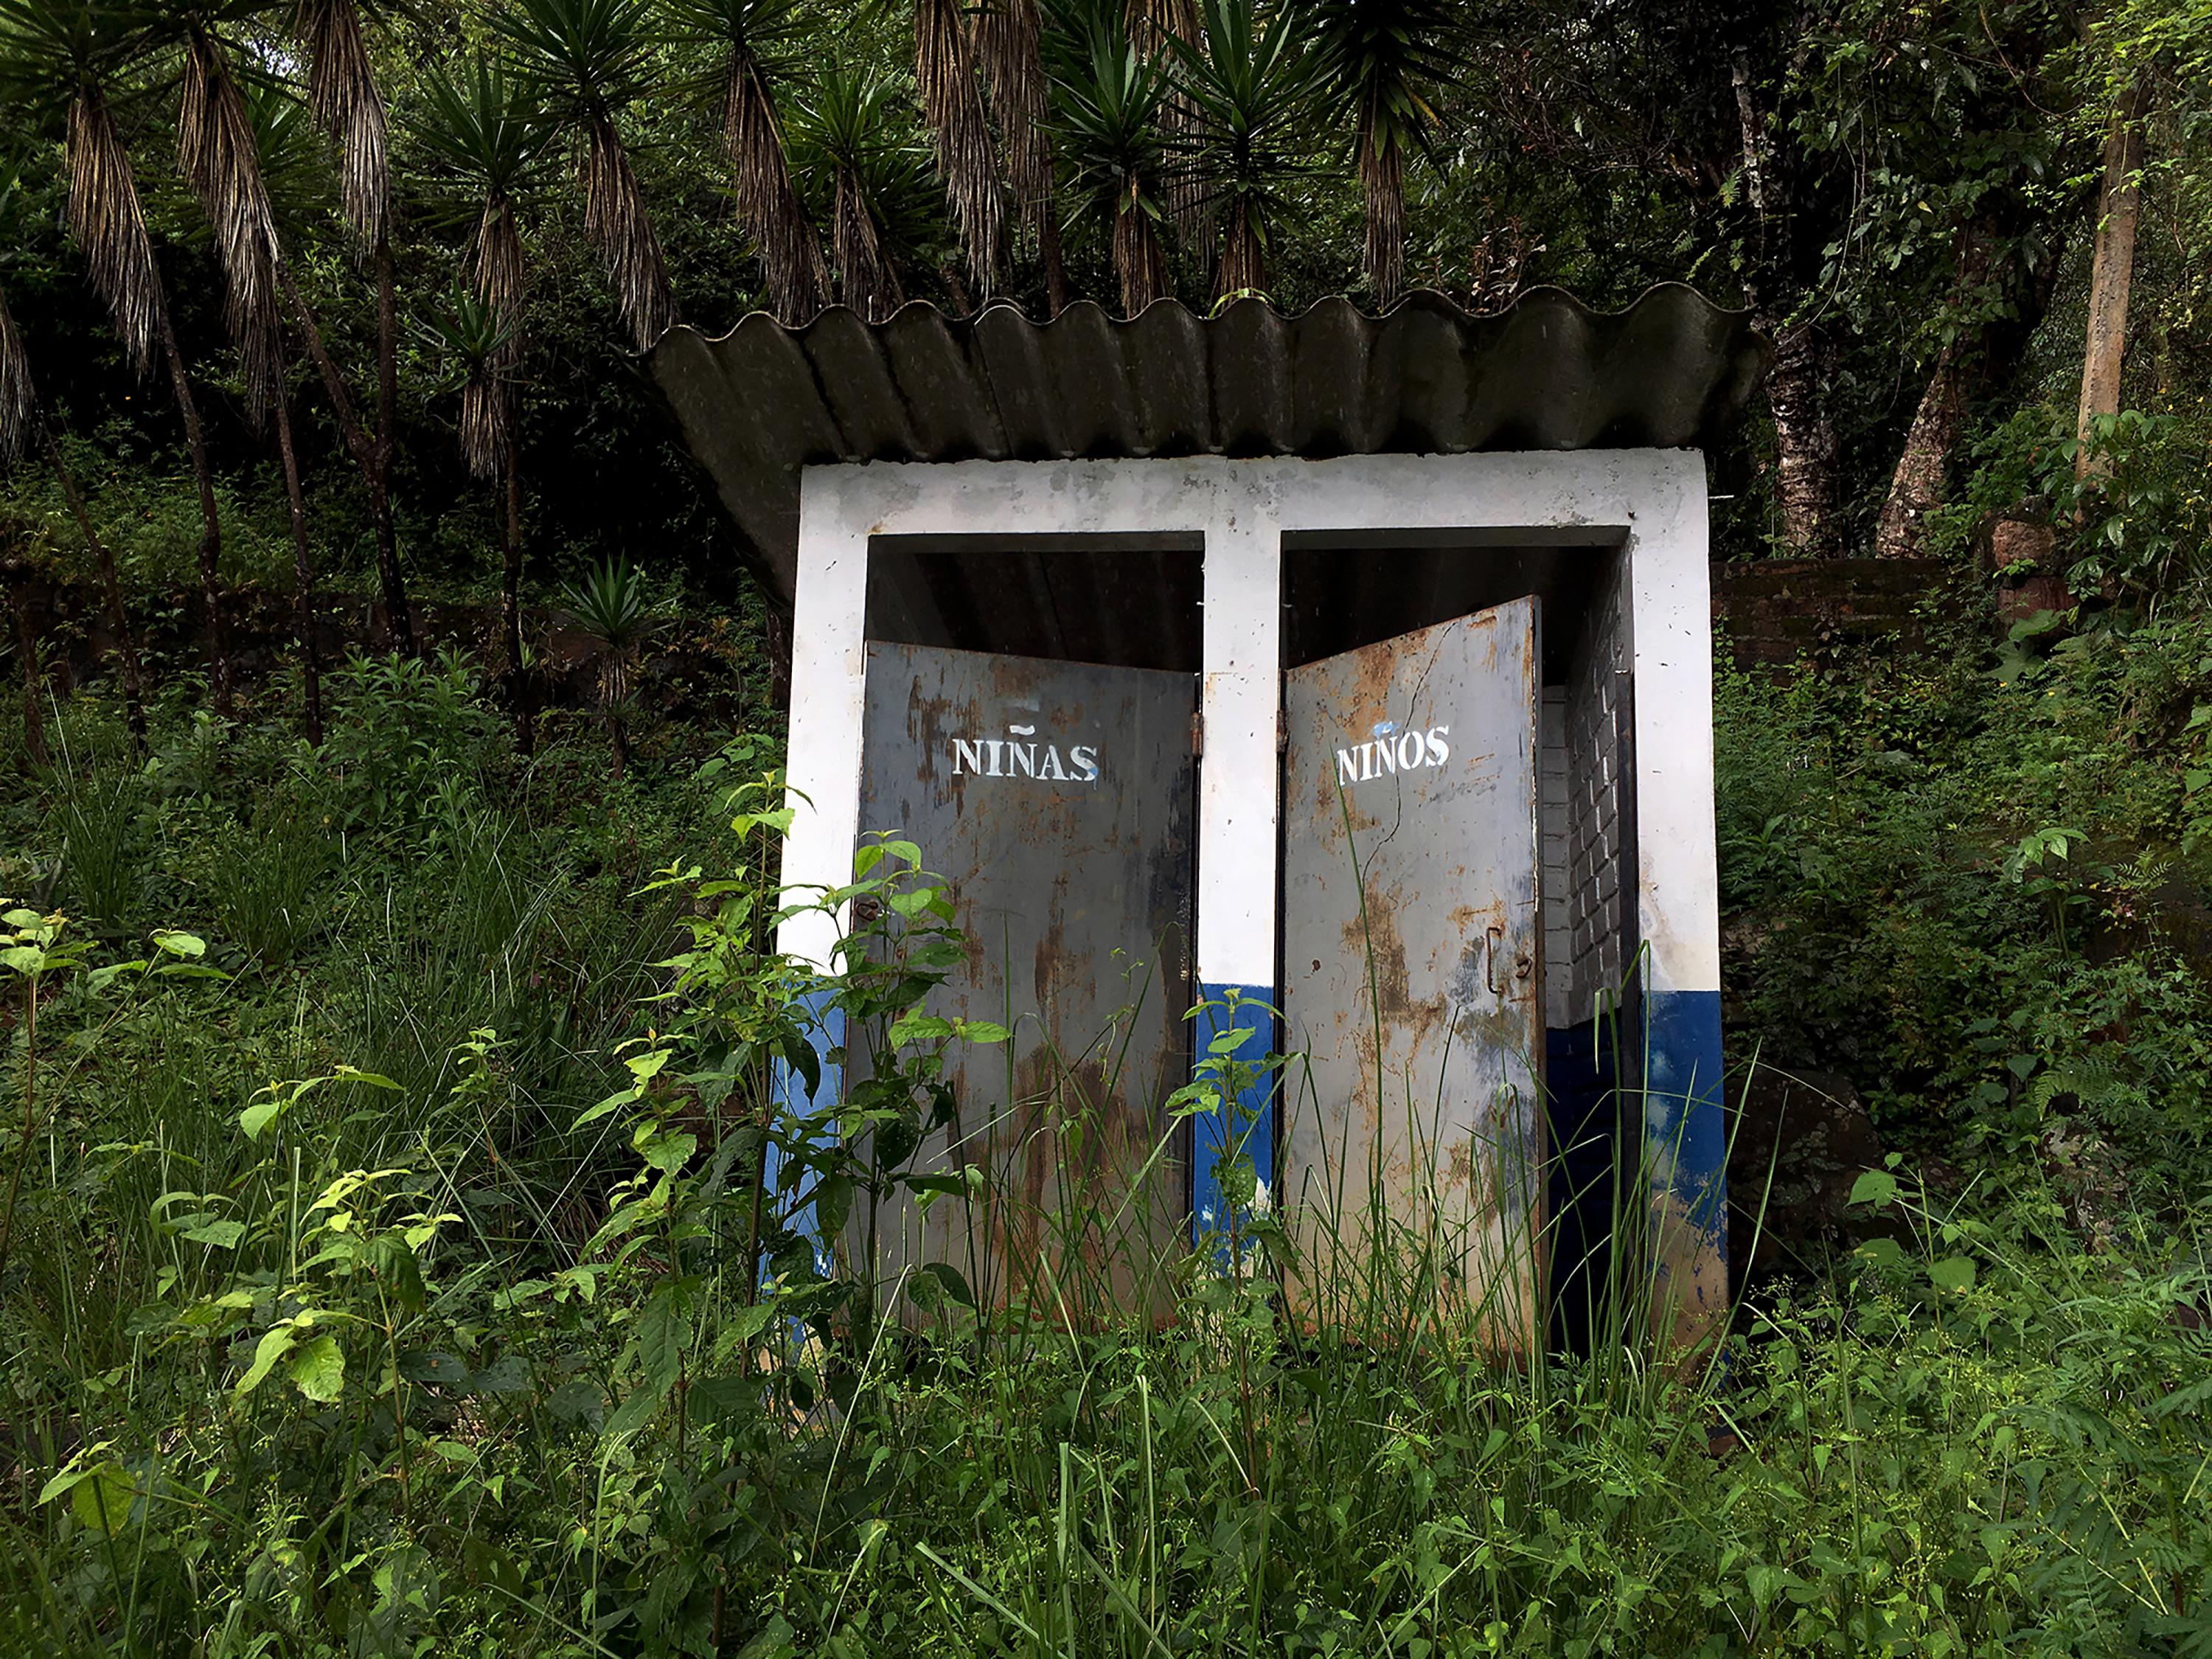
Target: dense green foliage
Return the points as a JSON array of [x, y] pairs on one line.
[[442, 1341], [399, 1223]]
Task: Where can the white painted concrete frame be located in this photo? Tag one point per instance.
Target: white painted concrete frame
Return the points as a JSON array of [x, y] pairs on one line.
[[1243, 508], [1652, 503]]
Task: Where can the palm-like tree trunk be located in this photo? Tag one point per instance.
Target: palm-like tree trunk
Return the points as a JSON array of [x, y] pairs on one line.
[[1140, 262], [1010, 42], [108, 221], [399, 615], [617, 223], [1382, 182], [510, 597], [1243, 262], [1152, 23], [871, 284], [220, 671], [952, 102], [1917, 485], [1806, 450], [303, 574], [790, 260]]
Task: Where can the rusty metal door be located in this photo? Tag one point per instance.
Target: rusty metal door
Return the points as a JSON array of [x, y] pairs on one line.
[[1057, 799], [1412, 987]]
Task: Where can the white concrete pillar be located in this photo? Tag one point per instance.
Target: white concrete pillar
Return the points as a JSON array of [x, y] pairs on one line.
[[1240, 704]]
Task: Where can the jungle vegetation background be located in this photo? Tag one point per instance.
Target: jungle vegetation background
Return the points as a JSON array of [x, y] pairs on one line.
[[399, 1250]]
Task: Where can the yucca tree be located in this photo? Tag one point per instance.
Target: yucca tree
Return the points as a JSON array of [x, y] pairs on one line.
[[223, 132], [754, 46], [220, 79], [1009, 45], [346, 102], [1108, 107], [1387, 60], [1256, 85], [485, 138], [587, 60], [276, 141], [612, 606], [23, 424], [1152, 24], [471, 336], [64, 59], [846, 135], [945, 78]]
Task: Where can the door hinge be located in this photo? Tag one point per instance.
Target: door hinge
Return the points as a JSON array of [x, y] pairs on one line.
[[1282, 730], [1197, 735]]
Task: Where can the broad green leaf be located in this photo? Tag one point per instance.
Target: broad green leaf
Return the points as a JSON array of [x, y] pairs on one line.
[[374, 1079], [218, 1235], [664, 1336], [102, 1500], [1881, 1252], [177, 944], [1954, 1273], [640, 1409], [833, 1201], [949, 1280], [318, 1369], [916, 1027], [273, 1347], [258, 1116], [1875, 1187]]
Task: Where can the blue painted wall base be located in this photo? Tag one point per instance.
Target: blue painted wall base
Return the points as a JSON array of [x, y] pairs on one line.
[[825, 1032], [1244, 1125]]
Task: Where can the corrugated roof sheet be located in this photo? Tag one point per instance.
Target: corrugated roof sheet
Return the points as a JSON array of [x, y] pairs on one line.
[[758, 404]]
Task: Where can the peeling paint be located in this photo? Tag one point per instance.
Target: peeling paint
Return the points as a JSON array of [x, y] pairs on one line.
[[1414, 1131]]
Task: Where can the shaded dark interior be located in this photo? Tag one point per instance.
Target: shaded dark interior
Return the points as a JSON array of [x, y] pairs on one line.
[[1124, 601], [1339, 594]]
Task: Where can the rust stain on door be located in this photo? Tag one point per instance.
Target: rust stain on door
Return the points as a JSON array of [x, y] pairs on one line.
[[1412, 1136], [1057, 801]]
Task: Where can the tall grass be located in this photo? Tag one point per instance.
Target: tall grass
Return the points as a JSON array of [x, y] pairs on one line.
[[559, 1410]]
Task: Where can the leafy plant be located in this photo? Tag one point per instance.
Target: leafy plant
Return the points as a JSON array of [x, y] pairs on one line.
[[611, 604]]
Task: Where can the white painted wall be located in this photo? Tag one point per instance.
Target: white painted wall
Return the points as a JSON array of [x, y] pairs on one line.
[[1243, 508]]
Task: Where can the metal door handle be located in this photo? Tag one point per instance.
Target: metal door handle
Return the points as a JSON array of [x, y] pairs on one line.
[[1496, 943]]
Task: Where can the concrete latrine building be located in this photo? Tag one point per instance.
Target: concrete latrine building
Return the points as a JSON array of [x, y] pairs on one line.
[[1356, 669]]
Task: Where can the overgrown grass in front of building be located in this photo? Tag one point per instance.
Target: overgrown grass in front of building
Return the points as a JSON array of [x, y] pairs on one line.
[[405, 1256]]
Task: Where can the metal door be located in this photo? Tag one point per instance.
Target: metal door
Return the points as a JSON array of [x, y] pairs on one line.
[[1056, 798], [1412, 986]]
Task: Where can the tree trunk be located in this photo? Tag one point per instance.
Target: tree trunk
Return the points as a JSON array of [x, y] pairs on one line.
[[2119, 207], [1243, 266], [27, 653], [399, 616], [218, 623], [510, 601], [1806, 451], [1804, 441], [372, 455], [1926, 460], [1056, 267], [779, 658], [1918, 483], [118, 619], [303, 575]]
